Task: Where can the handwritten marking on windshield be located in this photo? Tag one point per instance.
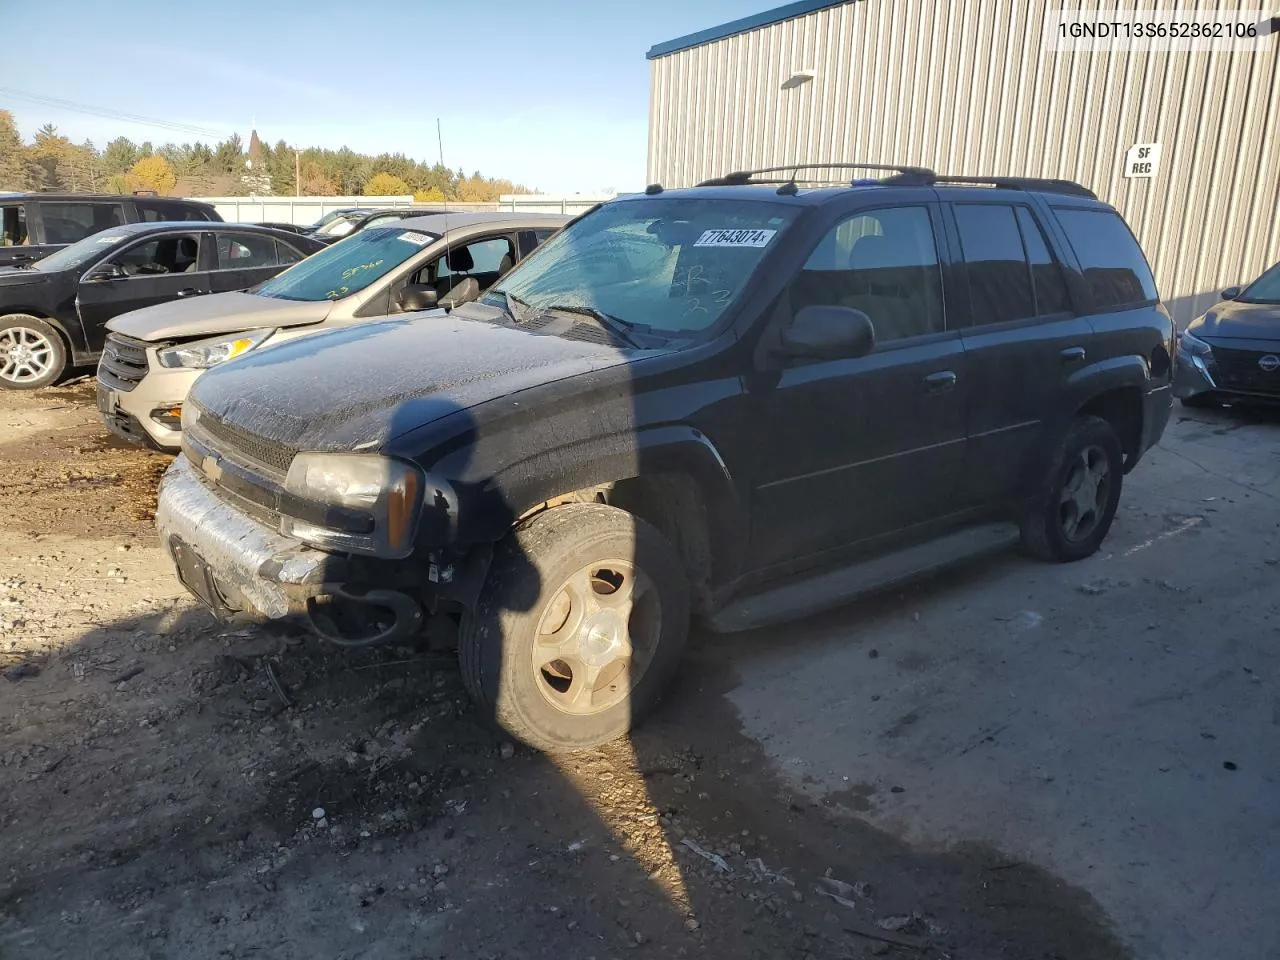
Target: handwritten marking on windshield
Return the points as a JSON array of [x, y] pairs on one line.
[[352, 271]]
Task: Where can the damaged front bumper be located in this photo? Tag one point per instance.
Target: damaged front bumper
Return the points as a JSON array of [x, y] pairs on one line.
[[230, 561]]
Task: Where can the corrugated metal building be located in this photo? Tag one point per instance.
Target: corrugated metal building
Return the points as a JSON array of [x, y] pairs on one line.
[[974, 87]]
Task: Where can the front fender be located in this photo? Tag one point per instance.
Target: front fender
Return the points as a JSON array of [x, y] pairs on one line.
[[486, 510]]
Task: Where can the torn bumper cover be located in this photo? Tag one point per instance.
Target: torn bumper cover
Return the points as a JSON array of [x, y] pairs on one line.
[[230, 561]]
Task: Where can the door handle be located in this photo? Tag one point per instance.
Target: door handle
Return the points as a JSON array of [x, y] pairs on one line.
[[1072, 355], [190, 292], [940, 381]]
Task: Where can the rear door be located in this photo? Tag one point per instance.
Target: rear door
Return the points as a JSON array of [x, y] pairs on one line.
[[854, 449], [156, 269], [1023, 339], [243, 260]]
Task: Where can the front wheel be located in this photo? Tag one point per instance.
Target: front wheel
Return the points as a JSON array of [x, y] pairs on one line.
[[32, 353], [579, 627], [1076, 508]]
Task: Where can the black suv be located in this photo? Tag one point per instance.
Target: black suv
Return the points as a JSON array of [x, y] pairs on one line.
[[746, 401], [53, 313], [34, 225]]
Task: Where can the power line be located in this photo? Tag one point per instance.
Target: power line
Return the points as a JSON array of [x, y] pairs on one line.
[[110, 114]]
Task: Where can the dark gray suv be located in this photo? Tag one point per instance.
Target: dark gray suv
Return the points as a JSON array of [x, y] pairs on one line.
[[34, 225]]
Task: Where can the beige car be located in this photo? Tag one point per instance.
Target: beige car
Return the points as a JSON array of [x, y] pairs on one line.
[[153, 356]]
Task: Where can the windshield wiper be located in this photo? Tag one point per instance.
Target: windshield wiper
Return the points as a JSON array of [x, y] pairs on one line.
[[514, 304], [624, 328]]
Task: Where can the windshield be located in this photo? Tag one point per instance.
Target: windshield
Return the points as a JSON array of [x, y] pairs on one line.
[[1266, 289], [672, 265], [328, 218], [348, 266], [81, 252]]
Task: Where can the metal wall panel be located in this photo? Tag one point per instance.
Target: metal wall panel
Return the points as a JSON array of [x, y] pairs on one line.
[[969, 87]]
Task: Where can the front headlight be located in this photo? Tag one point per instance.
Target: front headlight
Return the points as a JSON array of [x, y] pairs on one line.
[[376, 501], [1193, 346], [209, 353]]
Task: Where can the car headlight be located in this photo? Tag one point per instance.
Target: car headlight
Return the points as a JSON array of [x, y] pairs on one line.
[[209, 353], [374, 502], [1193, 346]]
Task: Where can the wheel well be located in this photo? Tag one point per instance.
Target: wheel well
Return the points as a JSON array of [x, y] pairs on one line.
[[672, 504], [51, 321], [1122, 408]]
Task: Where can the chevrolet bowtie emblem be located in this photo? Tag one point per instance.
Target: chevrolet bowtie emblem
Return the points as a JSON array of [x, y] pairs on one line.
[[212, 468]]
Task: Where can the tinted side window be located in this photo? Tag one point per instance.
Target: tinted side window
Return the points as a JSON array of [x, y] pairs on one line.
[[1115, 269], [13, 225], [168, 254], [287, 254], [68, 222], [1046, 273], [884, 263], [999, 276], [243, 251]]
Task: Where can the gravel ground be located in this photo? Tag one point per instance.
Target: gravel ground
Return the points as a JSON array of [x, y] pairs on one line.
[[174, 787]]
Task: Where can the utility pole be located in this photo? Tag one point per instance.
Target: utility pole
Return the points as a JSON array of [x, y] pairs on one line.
[[297, 174], [440, 141]]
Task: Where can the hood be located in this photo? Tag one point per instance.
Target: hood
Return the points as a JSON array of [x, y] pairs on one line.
[[1236, 320], [364, 385], [214, 314], [13, 276]]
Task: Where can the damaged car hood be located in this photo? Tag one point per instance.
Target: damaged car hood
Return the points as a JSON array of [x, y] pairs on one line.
[[216, 313], [359, 387]]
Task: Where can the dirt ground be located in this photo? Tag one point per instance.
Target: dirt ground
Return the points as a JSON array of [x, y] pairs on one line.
[[174, 787]]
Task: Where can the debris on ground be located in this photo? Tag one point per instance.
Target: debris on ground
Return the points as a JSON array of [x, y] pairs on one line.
[[719, 861]]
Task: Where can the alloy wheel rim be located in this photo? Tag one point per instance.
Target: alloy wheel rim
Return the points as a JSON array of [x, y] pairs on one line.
[[26, 355], [1085, 494], [596, 637]]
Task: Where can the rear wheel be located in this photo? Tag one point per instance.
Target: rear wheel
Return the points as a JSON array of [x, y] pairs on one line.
[[580, 625], [1078, 504], [32, 353]]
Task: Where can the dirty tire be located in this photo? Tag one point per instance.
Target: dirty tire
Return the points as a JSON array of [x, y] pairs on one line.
[[1043, 533], [498, 642], [46, 346]]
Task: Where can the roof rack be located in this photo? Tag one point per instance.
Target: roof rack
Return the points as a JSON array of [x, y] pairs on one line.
[[899, 176], [742, 177], [1069, 187]]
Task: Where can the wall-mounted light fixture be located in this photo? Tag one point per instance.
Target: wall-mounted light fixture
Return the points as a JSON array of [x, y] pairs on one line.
[[797, 78]]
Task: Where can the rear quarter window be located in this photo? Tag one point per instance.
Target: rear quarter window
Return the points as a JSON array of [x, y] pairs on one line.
[[1115, 269]]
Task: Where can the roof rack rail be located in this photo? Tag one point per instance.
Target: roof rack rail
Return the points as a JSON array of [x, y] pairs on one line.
[[1068, 187], [738, 178], [899, 176]]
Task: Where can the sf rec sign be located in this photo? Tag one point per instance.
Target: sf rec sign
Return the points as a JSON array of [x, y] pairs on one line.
[[1142, 161]]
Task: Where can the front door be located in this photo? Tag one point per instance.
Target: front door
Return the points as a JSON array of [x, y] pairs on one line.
[[155, 270], [858, 448], [17, 245]]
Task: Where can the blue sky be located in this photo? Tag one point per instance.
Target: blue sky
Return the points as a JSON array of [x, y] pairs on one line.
[[554, 95]]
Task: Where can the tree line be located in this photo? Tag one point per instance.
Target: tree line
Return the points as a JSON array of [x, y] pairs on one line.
[[51, 161]]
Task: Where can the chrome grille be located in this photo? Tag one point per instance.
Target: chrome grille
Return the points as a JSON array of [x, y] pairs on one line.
[[123, 363]]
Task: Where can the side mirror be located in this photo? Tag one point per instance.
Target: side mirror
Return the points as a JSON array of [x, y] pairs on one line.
[[416, 296], [106, 271], [1230, 293], [828, 333], [465, 292]]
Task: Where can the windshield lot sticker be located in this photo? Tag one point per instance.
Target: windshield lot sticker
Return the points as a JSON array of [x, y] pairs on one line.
[[417, 239], [735, 238], [109, 239]]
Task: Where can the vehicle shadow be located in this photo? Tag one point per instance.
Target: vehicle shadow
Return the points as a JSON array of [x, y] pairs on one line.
[[253, 791]]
